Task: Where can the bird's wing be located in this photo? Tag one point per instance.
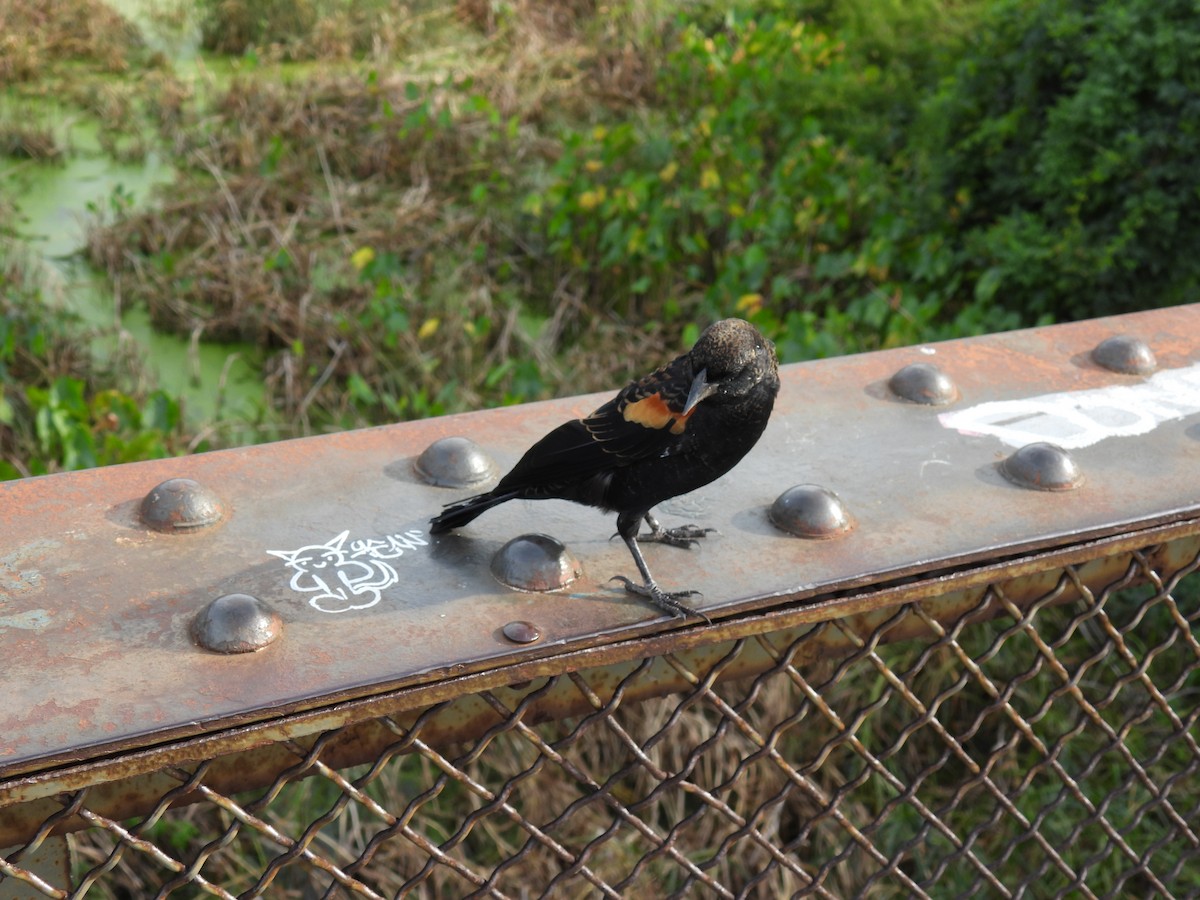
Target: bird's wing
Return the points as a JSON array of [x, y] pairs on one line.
[[644, 420], [646, 417]]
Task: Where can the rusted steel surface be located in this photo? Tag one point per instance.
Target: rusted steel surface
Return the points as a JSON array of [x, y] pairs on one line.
[[454, 710], [330, 532]]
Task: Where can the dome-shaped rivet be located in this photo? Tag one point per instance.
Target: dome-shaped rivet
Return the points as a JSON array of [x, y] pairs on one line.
[[236, 623], [521, 632], [1042, 467], [535, 562], [180, 504], [923, 383], [1125, 354], [455, 462], [811, 511]]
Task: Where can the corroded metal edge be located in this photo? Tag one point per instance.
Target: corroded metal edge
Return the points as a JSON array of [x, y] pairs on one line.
[[105, 603], [252, 756]]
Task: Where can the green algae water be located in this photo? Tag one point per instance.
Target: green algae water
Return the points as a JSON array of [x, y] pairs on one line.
[[55, 200]]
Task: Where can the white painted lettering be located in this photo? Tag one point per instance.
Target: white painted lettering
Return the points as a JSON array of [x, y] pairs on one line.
[[1075, 419]]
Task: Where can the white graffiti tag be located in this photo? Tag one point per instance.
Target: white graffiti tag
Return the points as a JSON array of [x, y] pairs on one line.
[[1075, 419], [344, 578]]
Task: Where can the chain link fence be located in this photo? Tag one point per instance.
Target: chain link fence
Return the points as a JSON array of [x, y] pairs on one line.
[[986, 684], [1027, 728]]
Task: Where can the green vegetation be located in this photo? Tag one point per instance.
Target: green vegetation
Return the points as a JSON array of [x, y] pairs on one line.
[[1069, 137], [57, 410], [449, 207], [489, 218]]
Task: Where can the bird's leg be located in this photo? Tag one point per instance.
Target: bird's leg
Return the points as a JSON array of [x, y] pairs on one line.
[[669, 601], [680, 536]]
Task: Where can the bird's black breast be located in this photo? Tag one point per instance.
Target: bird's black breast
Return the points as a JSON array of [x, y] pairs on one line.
[[716, 439]]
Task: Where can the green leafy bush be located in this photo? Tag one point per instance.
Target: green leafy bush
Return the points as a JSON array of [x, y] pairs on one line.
[[1066, 144], [79, 430], [771, 181], [732, 196], [54, 415]]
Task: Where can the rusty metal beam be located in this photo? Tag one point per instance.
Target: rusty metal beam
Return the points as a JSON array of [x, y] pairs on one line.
[[454, 710], [99, 597]]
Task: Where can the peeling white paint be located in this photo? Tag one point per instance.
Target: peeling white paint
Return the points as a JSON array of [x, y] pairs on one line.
[[1073, 419]]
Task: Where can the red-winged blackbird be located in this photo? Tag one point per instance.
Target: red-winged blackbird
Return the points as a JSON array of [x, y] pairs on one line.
[[668, 433]]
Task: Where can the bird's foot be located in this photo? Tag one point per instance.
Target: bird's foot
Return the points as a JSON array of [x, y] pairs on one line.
[[685, 536], [668, 601]]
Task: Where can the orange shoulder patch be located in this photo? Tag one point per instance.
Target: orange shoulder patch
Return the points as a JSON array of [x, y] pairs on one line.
[[653, 412]]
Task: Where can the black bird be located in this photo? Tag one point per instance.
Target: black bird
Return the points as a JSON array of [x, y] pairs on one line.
[[675, 430]]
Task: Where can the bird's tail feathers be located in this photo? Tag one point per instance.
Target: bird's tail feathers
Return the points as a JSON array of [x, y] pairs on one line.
[[456, 515]]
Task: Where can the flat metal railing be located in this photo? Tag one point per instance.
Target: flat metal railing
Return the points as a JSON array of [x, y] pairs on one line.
[[978, 673]]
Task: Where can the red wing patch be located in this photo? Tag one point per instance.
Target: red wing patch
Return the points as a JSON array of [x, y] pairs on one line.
[[653, 412]]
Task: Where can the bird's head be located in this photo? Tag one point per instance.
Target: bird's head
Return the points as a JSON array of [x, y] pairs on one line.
[[731, 358]]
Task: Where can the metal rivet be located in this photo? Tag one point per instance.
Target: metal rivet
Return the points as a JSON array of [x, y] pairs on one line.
[[456, 462], [236, 623], [1043, 467], [1125, 354], [923, 383], [180, 504], [521, 632], [811, 511], [535, 562]]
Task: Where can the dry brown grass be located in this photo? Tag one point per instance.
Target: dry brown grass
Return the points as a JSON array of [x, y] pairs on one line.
[[38, 34], [256, 245], [286, 178], [542, 792], [325, 30], [25, 141]]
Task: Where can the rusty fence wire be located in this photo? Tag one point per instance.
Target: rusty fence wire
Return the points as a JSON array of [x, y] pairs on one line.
[[1023, 743]]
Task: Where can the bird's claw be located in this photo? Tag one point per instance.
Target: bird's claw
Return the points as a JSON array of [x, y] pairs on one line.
[[686, 536], [667, 601]]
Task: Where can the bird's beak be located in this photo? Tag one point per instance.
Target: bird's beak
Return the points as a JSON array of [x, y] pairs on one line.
[[701, 388]]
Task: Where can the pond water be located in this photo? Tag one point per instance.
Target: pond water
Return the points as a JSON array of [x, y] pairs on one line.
[[55, 201]]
